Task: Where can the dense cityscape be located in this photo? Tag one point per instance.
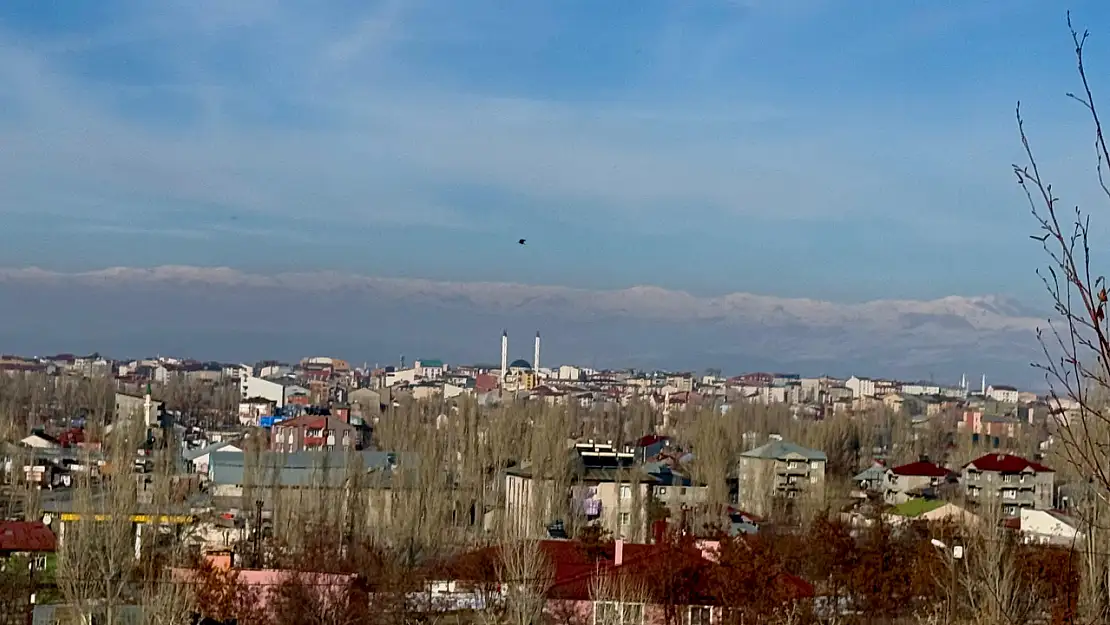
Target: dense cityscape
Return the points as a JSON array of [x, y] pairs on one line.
[[222, 467]]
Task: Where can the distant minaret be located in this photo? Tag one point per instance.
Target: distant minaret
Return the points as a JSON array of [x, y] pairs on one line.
[[504, 355], [963, 382], [146, 407], [983, 387], [536, 356]]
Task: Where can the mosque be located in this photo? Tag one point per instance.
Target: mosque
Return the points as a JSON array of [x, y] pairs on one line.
[[519, 375]]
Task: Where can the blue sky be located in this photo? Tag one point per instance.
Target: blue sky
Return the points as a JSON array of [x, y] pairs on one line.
[[812, 148]]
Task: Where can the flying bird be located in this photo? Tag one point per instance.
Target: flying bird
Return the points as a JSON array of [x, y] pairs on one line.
[[521, 241]]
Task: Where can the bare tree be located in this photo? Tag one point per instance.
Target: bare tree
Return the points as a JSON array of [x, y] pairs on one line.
[[1076, 345]]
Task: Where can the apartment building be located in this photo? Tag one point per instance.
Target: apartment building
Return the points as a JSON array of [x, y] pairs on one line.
[[915, 479], [1012, 481], [312, 431], [777, 469], [605, 487]]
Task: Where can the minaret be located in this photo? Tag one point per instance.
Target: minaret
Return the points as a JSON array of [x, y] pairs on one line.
[[504, 355], [983, 388], [536, 356], [963, 382], [147, 406]]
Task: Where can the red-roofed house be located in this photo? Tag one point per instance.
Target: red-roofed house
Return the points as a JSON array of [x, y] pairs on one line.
[[912, 480], [25, 537], [1012, 480], [621, 583], [314, 432]]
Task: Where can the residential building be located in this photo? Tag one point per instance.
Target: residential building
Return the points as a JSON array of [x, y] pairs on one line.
[[569, 373], [777, 469], [1049, 527], [314, 432], [607, 488], [675, 490], [913, 480], [128, 406], [197, 460], [920, 388], [429, 368], [873, 478], [1003, 394], [1012, 481], [860, 387], [254, 408], [251, 386]]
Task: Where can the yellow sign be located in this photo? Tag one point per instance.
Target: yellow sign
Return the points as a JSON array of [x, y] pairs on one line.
[[136, 518]]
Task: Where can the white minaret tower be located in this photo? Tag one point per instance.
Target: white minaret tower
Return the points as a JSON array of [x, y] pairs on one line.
[[983, 387], [536, 355], [504, 355], [147, 405]]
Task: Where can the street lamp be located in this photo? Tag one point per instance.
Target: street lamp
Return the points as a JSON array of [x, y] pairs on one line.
[[956, 553]]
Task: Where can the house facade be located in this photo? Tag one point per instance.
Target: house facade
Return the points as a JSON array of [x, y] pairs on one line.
[[907, 481], [606, 488], [1011, 481], [778, 469]]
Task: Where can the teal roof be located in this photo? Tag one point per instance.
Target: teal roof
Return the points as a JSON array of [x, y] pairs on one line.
[[430, 362], [779, 449], [874, 472]]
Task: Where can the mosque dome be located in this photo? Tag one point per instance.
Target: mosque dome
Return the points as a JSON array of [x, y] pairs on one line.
[[520, 364]]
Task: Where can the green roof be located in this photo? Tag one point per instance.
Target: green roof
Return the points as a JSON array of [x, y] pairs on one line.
[[916, 507], [429, 362], [780, 449]]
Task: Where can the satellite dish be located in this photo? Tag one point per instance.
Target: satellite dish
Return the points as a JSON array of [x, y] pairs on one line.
[[47, 519]]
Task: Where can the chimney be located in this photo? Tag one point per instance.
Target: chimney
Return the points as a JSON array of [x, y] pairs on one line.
[[536, 355], [618, 552], [504, 355]]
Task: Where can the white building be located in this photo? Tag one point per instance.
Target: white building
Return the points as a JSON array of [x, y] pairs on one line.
[[861, 387], [567, 372], [430, 369], [251, 386], [404, 375], [1004, 394], [920, 388], [1049, 527]]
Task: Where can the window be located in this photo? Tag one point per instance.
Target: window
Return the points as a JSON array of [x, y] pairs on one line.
[[815, 465], [626, 491], [699, 615], [792, 465], [625, 518], [617, 613], [661, 491], [813, 479], [682, 491]]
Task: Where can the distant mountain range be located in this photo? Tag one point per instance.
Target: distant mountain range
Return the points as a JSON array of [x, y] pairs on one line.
[[226, 314]]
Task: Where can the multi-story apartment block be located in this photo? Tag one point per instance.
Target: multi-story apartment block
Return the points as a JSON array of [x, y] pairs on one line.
[[606, 487], [861, 387], [1003, 394], [777, 469], [1010, 481], [251, 386], [907, 481]]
